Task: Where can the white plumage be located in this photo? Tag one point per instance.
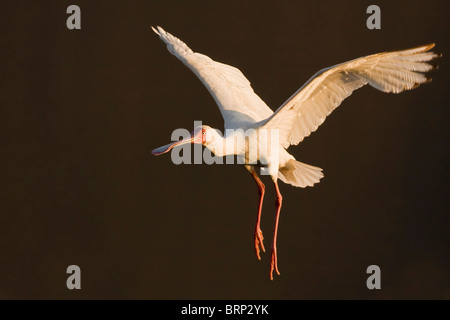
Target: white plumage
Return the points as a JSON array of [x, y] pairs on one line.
[[307, 109], [298, 117], [230, 88]]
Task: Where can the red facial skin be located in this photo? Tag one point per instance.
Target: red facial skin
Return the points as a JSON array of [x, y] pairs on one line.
[[199, 137]]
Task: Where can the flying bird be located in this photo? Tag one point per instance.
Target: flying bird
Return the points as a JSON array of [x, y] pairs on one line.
[[299, 116]]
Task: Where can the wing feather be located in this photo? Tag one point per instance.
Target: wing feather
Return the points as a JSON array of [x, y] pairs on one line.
[[230, 89], [307, 108]]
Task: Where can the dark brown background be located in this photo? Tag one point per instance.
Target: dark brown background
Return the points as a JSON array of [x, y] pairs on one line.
[[81, 111]]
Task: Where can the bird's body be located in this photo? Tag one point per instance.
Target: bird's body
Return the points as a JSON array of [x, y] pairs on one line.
[[259, 137]]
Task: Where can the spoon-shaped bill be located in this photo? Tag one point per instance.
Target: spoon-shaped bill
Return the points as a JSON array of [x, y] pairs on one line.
[[170, 146]]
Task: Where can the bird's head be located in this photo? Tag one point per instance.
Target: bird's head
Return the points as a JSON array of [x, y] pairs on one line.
[[204, 135]]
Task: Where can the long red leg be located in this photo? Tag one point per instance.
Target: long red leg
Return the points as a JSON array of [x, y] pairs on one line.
[[258, 233], [273, 262]]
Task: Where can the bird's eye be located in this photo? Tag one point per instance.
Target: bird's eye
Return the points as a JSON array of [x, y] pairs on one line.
[[203, 132]]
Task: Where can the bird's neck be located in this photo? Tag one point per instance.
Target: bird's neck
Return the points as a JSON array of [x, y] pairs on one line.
[[223, 146]]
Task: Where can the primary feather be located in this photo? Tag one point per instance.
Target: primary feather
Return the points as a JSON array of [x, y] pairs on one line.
[[238, 103]]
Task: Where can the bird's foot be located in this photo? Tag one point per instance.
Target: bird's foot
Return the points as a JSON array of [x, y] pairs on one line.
[[273, 263], [259, 242]]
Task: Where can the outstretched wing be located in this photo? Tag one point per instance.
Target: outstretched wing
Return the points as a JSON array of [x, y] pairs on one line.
[[232, 92], [307, 109]]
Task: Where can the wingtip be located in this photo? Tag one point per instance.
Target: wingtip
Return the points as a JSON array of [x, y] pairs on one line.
[[424, 48], [429, 46], [155, 31], [158, 30]]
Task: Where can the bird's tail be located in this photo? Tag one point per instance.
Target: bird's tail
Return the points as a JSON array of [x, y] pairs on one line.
[[300, 174]]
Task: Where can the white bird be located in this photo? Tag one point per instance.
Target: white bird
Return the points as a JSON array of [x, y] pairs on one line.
[[296, 118]]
